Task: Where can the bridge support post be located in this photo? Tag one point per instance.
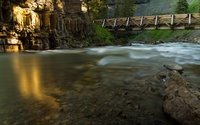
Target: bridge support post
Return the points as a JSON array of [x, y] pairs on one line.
[[190, 19], [127, 22], [103, 24], [115, 23], [141, 21], [156, 20], [172, 20]]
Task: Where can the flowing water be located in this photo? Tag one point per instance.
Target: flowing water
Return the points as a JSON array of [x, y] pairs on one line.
[[102, 85]]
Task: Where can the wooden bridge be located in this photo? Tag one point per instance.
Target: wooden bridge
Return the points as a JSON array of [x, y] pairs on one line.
[[156, 22]]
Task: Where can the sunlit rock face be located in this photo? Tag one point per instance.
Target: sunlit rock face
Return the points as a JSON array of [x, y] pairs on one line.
[[40, 24]]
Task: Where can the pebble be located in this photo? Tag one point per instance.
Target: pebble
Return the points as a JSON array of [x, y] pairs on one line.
[[51, 121], [142, 82], [136, 106], [47, 118], [70, 105], [128, 102], [58, 100], [162, 75], [122, 115], [5, 122], [151, 89]]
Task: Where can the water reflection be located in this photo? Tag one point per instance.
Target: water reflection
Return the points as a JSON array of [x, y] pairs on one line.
[[28, 76]]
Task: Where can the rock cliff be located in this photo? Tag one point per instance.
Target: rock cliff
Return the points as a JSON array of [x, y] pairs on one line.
[[40, 24]]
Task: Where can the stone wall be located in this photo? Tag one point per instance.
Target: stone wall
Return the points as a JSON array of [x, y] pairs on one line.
[[40, 24]]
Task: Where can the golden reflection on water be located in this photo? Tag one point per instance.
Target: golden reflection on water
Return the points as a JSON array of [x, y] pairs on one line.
[[28, 77]]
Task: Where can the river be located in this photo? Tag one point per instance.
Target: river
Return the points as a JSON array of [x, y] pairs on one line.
[[102, 85]]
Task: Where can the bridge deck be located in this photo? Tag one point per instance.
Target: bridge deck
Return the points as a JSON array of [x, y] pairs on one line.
[[156, 22]]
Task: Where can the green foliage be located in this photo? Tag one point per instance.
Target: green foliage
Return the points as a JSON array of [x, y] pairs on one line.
[[124, 8], [194, 7], [96, 9], [102, 35], [123, 40], [117, 8], [128, 8], [89, 40], [182, 6], [167, 35]]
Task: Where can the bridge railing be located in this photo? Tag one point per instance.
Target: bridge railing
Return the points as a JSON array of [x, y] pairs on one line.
[[155, 22]]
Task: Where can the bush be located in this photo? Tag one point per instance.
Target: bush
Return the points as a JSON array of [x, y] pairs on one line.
[[102, 35], [182, 6]]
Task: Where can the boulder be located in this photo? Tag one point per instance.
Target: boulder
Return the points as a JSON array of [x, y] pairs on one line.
[[175, 67], [182, 100]]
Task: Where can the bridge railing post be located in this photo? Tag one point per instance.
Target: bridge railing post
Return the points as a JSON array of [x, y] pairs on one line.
[[127, 22], [156, 20], [172, 20], [103, 23], [190, 19], [115, 23], [141, 20]]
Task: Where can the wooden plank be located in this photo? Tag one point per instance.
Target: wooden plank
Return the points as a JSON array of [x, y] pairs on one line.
[[165, 16], [136, 18], [165, 28], [179, 28], [136, 29], [154, 28], [197, 27], [149, 17], [181, 15]]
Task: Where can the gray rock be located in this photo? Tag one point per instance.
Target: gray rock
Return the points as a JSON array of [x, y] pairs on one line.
[[182, 100], [162, 75], [175, 67]]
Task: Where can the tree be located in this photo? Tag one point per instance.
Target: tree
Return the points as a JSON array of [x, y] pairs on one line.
[[182, 6], [117, 8], [102, 9], [96, 8], [128, 8]]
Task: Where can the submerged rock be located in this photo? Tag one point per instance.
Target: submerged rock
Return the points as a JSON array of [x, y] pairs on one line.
[[182, 100]]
